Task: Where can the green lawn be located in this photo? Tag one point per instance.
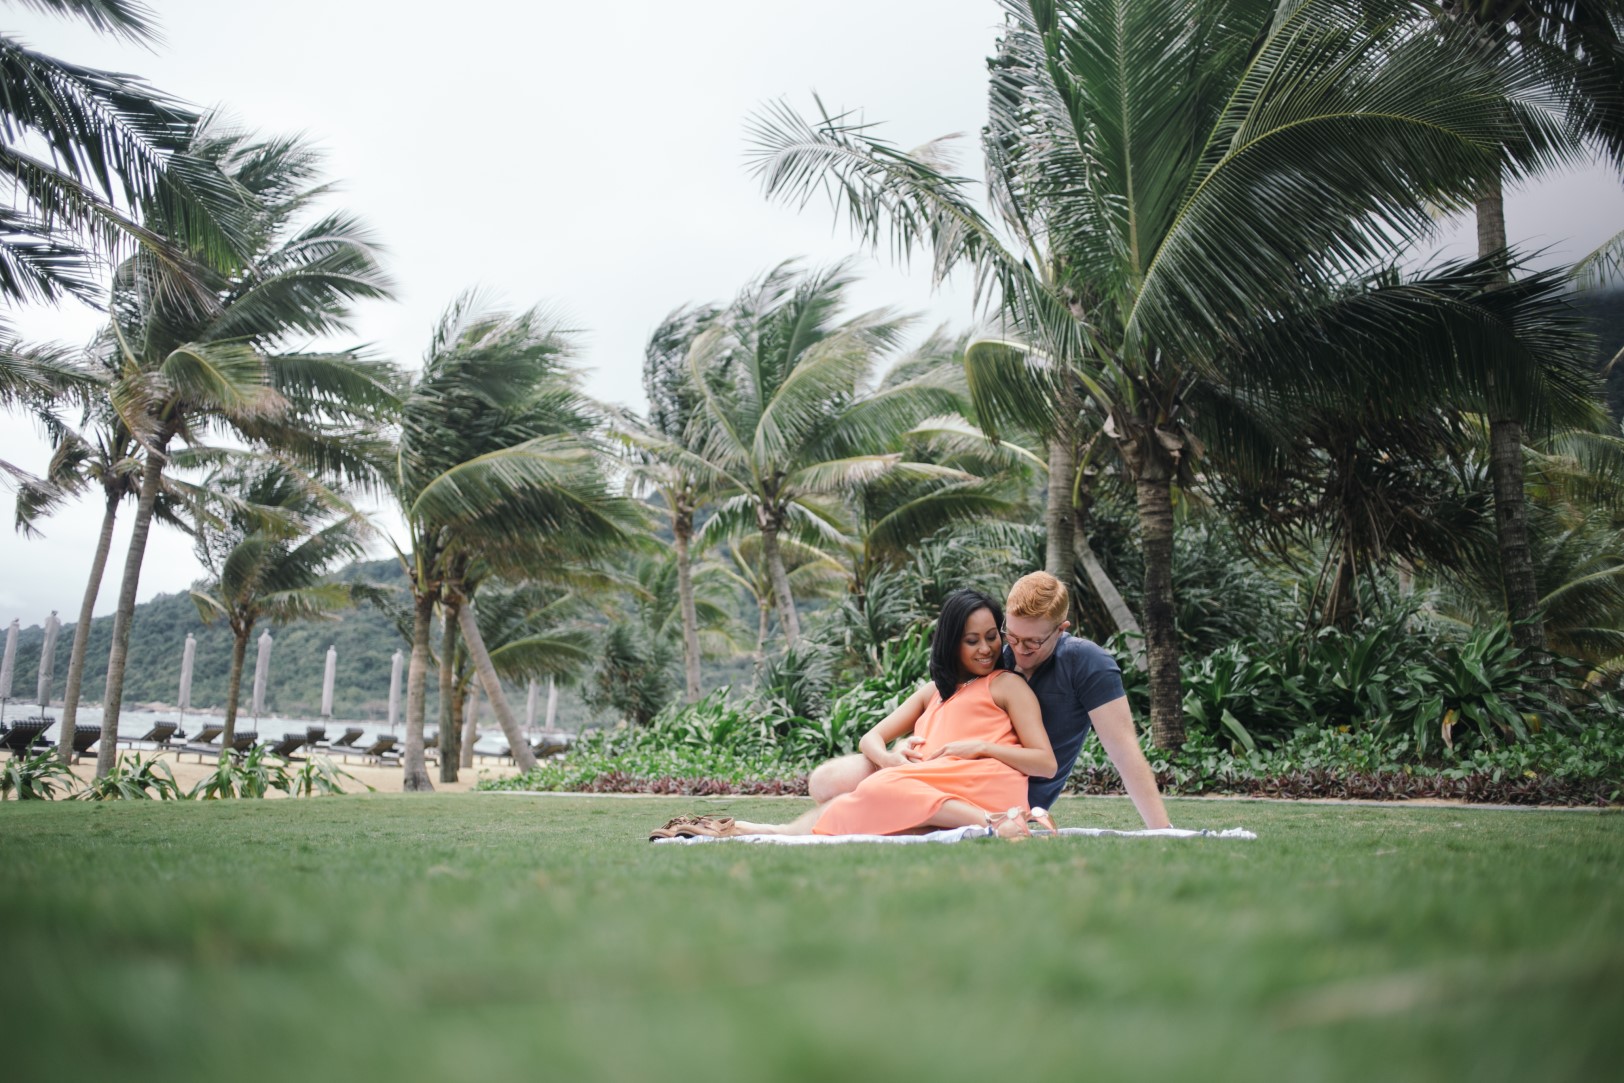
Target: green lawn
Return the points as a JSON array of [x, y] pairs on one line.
[[477, 937]]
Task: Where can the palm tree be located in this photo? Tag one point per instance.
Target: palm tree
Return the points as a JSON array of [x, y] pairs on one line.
[[115, 143], [673, 409], [1575, 49], [531, 633], [268, 548], [789, 418], [182, 372], [495, 474], [1171, 173]]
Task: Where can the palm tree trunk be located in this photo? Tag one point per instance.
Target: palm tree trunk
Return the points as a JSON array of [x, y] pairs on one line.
[[468, 720], [781, 593], [1058, 521], [415, 775], [239, 652], [1506, 472], [762, 615], [124, 615], [449, 714], [1152, 488], [475, 643], [1121, 615], [682, 527], [81, 631]]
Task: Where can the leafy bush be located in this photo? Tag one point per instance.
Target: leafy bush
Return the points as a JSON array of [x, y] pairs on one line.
[[254, 775], [35, 776], [320, 775], [134, 779]]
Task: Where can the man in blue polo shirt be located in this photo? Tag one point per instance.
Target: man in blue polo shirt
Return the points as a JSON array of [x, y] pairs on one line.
[[1079, 687]]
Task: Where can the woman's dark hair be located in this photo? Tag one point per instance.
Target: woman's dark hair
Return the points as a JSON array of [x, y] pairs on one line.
[[944, 642]]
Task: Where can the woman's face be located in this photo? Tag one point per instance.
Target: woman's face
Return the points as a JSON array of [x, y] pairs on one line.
[[979, 647]]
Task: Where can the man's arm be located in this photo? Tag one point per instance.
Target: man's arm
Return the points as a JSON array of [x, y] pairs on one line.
[[1114, 723]]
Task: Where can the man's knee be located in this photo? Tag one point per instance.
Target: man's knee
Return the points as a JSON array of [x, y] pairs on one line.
[[832, 778]]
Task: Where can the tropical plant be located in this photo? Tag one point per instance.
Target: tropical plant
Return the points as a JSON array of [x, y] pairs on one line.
[[790, 418], [495, 474], [254, 774], [116, 147], [35, 775], [268, 548], [1140, 251], [683, 490], [134, 779], [633, 674], [1574, 49], [182, 372], [531, 633], [320, 775]]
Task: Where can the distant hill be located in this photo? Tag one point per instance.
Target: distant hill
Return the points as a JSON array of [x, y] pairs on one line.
[[364, 637]]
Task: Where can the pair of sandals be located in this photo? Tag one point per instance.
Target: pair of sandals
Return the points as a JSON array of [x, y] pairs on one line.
[[687, 827], [1017, 823]]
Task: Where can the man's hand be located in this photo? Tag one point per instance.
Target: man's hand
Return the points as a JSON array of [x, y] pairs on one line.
[[963, 750]]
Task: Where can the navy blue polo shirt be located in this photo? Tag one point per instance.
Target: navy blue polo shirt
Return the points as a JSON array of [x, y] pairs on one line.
[[1078, 677]]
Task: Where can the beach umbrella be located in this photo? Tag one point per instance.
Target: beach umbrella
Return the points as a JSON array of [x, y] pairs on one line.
[[552, 702], [327, 683], [47, 660], [395, 664], [186, 658], [530, 707], [8, 667], [262, 672]]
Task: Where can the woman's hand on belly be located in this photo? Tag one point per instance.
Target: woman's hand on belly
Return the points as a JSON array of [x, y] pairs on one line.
[[962, 750]]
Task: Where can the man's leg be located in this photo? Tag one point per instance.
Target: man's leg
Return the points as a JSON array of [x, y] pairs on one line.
[[832, 778]]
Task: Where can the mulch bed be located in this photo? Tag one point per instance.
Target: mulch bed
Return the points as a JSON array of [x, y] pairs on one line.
[[1482, 789]]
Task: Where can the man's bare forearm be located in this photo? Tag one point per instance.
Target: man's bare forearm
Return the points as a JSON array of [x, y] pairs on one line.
[[1114, 723]]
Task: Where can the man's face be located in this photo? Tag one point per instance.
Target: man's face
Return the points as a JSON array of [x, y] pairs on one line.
[[1032, 640]]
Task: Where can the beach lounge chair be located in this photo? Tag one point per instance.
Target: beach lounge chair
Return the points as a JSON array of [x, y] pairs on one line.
[[159, 734], [316, 736], [204, 746], [550, 744], [83, 738], [26, 733], [502, 754], [352, 734], [289, 743], [431, 746], [381, 748]]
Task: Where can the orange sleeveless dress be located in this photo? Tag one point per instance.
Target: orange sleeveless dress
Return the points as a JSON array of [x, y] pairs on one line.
[[894, 799]]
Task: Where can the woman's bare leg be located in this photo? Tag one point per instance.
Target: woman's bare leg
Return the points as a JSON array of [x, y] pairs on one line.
[[953, 813], [801, 825]]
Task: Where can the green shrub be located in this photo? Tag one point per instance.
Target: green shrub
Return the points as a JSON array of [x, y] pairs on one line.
[[134, 779], [35, 775], [254, 775]]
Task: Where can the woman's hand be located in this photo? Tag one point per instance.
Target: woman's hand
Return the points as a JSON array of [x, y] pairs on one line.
[[963, 750]]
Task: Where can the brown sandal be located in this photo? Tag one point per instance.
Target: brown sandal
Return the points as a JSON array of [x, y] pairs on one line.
[[683, 827]]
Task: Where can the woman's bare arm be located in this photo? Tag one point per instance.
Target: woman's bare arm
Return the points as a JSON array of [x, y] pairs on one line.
[[894, 725]]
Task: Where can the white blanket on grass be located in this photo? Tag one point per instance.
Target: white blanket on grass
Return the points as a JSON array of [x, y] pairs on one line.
[[959, 834]]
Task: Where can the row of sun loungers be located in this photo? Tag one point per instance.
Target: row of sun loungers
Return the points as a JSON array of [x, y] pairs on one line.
[[29, 733]]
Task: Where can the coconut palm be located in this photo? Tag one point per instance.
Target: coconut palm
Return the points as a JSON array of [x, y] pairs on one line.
[[683, 490], [1170, 173], [1575, 50], [116, 146], [268, 547], [495, 474], [790, 419], [184, 373]]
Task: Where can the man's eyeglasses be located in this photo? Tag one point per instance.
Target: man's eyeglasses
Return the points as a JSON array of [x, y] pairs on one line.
[[1027, 644]]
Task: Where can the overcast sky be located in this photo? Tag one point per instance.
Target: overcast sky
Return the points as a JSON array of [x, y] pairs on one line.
[[590, 157]]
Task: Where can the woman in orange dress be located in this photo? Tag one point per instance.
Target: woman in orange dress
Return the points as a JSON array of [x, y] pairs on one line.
[[978, 736]]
